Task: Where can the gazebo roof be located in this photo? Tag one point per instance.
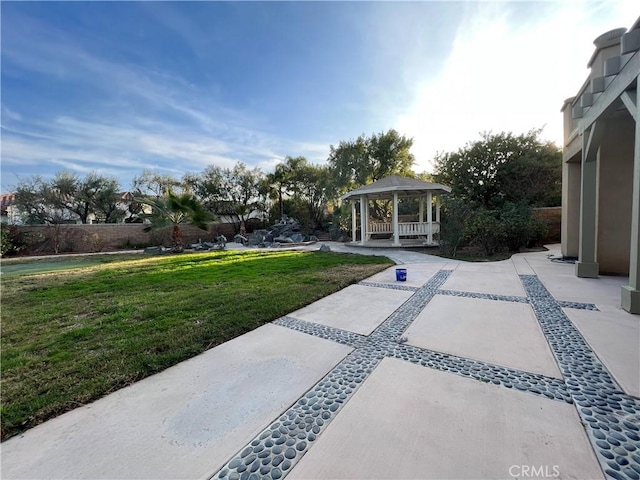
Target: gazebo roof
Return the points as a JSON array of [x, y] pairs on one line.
[[385, 187]]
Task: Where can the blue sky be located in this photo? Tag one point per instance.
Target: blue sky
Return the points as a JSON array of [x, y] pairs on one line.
[[117, 87]]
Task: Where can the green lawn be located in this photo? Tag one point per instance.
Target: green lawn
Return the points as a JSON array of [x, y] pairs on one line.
[[26, 265], [72, 336]]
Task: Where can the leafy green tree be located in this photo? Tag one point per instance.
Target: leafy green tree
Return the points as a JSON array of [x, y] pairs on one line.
[[92, 195], [173, 211], [367, 159], [36, 201], [280, 180], [234, 192], [312, 186], [67, 197], [503, 168]]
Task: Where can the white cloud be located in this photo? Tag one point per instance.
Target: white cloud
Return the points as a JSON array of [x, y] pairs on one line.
[[504, 75]]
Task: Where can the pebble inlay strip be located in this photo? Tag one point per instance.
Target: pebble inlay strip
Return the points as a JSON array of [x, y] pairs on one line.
[[552, 388], [390, 286], [579, 306], [485, 296], [611, 418], [328, 333], [394, 326]]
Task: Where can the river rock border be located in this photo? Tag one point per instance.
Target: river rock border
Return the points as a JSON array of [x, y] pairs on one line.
[[485, 296], [611, 417]]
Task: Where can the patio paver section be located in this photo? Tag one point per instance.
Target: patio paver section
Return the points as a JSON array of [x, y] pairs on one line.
[[499, 332], [426, 424], [357, 308]]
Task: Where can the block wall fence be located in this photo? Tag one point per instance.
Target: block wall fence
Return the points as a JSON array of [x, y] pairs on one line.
[[104, 237]]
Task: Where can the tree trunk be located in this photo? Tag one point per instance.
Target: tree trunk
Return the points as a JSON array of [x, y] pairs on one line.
[[176, 239]]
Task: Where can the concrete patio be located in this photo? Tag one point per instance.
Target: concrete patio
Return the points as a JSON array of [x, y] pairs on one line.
[[513, 369]]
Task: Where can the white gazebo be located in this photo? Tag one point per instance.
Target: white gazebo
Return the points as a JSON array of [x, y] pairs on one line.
[[396, 188]]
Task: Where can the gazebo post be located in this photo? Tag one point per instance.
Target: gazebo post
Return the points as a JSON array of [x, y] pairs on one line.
[[429, 219], [438, 209], [396, 232], [421, 209], [363, 213], [354, 232]]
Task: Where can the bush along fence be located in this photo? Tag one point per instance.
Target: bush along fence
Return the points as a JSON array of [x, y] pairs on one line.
[[508, 228]]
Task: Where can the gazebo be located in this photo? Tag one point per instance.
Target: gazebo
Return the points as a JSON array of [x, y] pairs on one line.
[[396, 188]]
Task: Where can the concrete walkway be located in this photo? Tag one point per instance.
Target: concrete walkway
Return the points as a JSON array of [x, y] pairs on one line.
[[513, 369]]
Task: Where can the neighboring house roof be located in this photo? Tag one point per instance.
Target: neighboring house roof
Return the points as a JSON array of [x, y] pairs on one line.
[[6, 200], [385, 187]]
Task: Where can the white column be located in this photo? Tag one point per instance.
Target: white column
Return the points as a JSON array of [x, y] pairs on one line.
[[421, 209], [354, 231], [366, 218], [438, 209], [429, 219], [631, 293], [363, 214], [396, 232]]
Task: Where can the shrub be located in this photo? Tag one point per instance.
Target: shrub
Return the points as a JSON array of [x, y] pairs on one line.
[[521, 229], [453, 225], [12, 240], [485, 229]]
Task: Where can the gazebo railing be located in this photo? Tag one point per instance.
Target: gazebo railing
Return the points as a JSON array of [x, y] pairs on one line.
[[405, 229], [380, 227]]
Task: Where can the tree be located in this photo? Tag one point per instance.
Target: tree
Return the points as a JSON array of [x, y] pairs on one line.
[[311, 186], [68, 197], [280, 180], [234, 192], [365, 160], [35, 199], [503, 168], [175, 210], [92, 195], [154, 184]]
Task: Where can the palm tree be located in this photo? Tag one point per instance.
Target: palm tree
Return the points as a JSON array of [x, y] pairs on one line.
[[175, 210]]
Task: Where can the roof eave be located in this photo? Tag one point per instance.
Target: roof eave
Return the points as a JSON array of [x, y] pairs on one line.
[[359, 193]]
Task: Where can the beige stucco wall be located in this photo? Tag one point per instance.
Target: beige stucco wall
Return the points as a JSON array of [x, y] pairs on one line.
[[615, 174], [597, 66]]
